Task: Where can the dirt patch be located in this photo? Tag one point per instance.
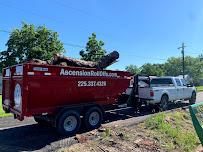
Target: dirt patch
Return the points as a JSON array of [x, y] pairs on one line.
[[163, 132], [114, 139]]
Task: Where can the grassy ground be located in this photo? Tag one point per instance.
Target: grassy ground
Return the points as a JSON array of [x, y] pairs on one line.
[[2, 113], [199, 88], [174, 130], [163, 132]]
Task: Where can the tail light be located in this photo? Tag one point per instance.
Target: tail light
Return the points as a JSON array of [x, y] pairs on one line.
[[151, 93]]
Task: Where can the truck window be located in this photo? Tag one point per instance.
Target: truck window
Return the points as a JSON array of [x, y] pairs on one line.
[[143, 84], [183, 82], [162, 82], [178, 82]]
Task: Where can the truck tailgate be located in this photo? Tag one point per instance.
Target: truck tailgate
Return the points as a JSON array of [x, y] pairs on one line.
[[144, 93]]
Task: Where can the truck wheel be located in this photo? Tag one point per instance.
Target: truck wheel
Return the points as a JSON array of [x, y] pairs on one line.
[[68, 123], [93, 118], [192, 100], [164, 103]]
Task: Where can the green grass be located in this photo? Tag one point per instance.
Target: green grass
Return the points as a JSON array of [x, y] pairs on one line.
[[199, 88], [2, 113], [174, 130], [106, 133]]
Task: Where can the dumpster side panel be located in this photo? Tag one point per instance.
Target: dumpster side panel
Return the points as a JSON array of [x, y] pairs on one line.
[[55, 92]]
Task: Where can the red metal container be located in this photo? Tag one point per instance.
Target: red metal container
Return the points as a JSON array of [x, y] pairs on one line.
[[31, 89]]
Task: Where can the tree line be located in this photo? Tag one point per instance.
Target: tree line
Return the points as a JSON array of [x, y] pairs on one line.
[[172, 67]]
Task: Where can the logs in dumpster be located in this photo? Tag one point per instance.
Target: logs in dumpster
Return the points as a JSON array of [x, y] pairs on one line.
[[103, 63]]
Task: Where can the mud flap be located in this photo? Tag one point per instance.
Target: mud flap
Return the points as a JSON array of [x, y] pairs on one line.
[[196, 112]]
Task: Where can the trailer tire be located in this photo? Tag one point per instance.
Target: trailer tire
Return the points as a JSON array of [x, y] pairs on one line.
[[93, 118], [68, 123]]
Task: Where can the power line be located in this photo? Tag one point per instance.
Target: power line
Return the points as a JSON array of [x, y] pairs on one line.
[[83, 12], [82, 47], [5, 31], [192, 53], [74, 45], [34, 13], [68, 44], [23, 10], [97, 17], [144, 57]]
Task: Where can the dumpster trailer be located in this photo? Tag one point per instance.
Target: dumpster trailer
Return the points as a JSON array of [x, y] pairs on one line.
[[64, 96]]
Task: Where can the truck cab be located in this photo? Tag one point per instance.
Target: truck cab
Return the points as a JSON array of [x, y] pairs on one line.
[[161, 90], [166, 89]]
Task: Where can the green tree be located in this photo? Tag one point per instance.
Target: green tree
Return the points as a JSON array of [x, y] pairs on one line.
[[30, 42], [94, 49], [193, 67], [133, 69], [173, 66], [152, 69]]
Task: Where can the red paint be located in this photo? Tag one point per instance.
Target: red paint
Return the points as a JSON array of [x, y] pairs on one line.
[[45, 93]]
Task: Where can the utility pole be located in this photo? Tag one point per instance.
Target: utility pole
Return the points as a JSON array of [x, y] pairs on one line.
[[183, 58]]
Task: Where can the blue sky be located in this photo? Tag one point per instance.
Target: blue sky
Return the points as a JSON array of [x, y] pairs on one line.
[[141, 30]]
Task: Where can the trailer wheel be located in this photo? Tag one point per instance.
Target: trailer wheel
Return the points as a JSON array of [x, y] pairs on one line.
[[93, 118], [68, 123]]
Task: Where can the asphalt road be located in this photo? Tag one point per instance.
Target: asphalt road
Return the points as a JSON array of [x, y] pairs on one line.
[[29, 136]]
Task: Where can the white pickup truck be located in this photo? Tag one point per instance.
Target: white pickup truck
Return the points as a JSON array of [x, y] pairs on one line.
[[162, 90]]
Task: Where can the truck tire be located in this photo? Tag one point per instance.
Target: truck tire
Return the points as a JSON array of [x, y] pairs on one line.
[[68, 123], [163, 103], [93, 118], [192, 100]]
